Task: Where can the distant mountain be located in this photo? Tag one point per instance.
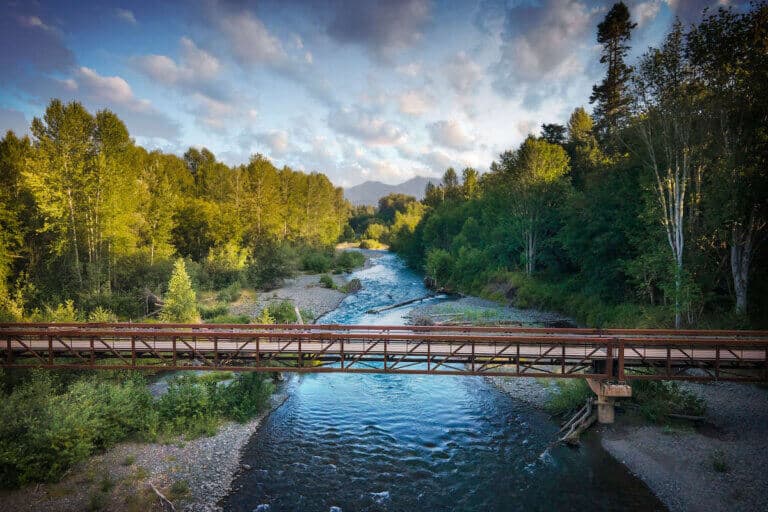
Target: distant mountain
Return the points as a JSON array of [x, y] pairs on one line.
[[370, 191]]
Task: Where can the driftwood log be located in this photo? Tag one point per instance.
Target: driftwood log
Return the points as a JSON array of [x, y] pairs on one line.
[[166, 503]]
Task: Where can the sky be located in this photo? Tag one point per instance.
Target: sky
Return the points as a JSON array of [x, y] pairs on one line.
[[357, 89]]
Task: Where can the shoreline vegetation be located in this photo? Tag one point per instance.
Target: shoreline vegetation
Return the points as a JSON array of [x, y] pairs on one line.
[[182, 434]]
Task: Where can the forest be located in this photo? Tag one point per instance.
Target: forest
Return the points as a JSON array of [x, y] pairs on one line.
[[91, 223], [650, 211]]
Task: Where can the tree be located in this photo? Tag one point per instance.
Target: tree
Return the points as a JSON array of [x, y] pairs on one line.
[[553, 133], [469, 183], [451, 185], [180, 304], [536, 176], [611, 95], [730, 54], [669, 99]]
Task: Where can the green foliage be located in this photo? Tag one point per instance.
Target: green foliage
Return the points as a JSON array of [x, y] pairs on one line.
[[245, 397], [657, 399], [282, 312], [347, 261], [47, 428], [569, 396], [101, 315], [208, 312], [180, 303], [439, 267], [327, 281], [316, 262], [265, 318], [230, 319], [231, 293], [270, 264]]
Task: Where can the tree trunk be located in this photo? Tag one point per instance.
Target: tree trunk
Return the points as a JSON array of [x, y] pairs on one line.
[[741, 251]]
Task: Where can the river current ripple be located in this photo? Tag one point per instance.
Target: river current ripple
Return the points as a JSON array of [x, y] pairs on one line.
[[417, 442]]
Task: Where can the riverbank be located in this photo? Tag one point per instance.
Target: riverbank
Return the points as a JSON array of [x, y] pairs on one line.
[[194, 474], [715, 465]]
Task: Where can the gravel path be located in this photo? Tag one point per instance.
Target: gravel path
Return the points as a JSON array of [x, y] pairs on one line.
[[679, 466]]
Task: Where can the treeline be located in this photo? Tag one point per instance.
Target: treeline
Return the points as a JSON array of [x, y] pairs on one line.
[[651, 211], [87, 215]]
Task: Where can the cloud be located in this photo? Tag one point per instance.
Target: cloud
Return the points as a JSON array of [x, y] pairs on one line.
[[276, 140], [196, 70], [365, 126], [250, 40], [414, 102], [449, 134], [13, 120], [644, 12], [543, 43], [125, 15], [115, 93], [412, 69], [463, 73], [382, 28], [109, 89]]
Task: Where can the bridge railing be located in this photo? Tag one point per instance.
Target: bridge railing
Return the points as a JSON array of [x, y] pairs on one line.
[[608, 354]]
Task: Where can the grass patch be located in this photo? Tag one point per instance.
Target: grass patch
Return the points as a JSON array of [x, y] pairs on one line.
[[326, 281], [658, 399], [569, 396], [179, 490], [719, 464], [229, 319], [210, 312], [128, 461]]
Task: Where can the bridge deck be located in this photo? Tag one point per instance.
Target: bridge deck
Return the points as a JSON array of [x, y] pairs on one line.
[[511, 351]]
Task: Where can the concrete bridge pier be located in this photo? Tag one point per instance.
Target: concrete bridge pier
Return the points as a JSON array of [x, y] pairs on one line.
[[607, 393]]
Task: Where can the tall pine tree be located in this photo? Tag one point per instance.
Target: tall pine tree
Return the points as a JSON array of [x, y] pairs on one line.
[[610, 97]]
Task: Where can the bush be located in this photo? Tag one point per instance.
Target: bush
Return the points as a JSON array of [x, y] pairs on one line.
[[570, 395], [282, 312], [230, 319], [657, 399], [347, 261], [242, 399], [270, 264], [231, 293], [209, 312], [46, 428], [187, 408], [316, 262], [327, 281], [101, 315]]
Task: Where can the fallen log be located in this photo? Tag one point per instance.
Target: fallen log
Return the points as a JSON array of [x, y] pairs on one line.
[[376, 311], [166, 503]]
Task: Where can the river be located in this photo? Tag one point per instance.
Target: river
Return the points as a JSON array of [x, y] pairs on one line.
[[417, 442]]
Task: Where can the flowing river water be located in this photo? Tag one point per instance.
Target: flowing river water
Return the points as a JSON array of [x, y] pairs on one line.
[[360, 442]]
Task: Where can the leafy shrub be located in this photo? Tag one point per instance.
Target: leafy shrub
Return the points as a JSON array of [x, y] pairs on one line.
[[231, 293], [270, 264], [101, 315], [327, 281], [46, 429], [282, 312], [657, 399], [224, 265], [230, 319], [187, 408], [369, 243], [316, 262], [209, 312], [570, 395], [245, 397], [347, 261]]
